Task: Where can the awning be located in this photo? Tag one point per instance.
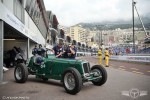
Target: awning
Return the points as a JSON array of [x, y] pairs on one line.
[[54, 32]]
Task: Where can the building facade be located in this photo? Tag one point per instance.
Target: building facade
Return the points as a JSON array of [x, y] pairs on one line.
[[23, 24], [78, 33]]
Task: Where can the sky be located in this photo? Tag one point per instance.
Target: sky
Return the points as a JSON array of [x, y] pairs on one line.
[[71, 12]]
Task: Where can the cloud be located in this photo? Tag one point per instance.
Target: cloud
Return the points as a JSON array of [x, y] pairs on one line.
[[70, 12]]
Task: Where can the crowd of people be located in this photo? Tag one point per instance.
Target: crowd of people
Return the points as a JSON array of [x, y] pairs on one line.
[[121, 50]]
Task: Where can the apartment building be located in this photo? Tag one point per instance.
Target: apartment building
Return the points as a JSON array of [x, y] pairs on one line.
[[78, 33]]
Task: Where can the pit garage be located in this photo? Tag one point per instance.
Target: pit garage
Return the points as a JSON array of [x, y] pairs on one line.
[[12, 41]]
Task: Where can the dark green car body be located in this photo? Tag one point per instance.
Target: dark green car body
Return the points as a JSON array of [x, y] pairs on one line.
[[71, 72], [54, 67]]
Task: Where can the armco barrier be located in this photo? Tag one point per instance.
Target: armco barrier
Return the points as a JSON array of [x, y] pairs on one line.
[[132, 58]]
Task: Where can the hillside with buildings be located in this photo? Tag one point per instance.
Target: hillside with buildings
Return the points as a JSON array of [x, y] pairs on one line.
[[109, 33]]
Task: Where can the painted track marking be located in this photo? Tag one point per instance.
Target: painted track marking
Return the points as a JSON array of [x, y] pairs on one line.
[[134, 68], [122, 66], [137, 72], [148, 71], [121, 69]]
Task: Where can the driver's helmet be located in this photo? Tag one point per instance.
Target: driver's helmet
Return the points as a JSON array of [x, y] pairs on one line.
[[39, 60]]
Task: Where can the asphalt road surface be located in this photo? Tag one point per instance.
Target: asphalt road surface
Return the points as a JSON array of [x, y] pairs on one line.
[[121, 85]]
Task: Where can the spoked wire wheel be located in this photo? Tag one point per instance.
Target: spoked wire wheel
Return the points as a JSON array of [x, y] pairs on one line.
[[18, 73], [21, 73], [69, 81], [101, 73], [72, 80]]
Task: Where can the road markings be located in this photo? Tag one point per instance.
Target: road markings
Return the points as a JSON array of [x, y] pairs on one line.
[[113, 65], [148, 71], [134, 68], [122, 66], [137, 72], [110, 66], [121, 69]]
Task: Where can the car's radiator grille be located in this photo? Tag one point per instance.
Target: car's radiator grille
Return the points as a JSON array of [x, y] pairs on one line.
[[86, 67]]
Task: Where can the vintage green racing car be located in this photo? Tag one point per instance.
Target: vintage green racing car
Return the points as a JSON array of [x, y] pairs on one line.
[[71, 72]]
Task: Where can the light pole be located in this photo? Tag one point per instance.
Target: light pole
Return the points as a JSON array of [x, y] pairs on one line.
[[101, 38], [133, 3]]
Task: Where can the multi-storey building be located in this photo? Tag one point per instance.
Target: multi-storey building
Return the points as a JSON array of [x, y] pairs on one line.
[[53, 27], [78, 33]]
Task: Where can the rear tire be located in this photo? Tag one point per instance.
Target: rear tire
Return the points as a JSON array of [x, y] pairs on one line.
[[101, 72], [21, 73], [72, 81]]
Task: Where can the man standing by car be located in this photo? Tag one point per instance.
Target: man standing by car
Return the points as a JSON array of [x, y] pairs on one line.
[[71, 51], [107, 57], [100, 56], [58, 50], [34, 50], [41, 51]]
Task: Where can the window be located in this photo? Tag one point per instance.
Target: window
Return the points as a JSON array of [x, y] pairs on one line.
[[28, 3], [18, 10], [21, 2], [33, 10]]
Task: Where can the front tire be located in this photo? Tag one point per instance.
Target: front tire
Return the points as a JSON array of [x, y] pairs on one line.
[[21, 73], [100, 71], [72, 81]]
